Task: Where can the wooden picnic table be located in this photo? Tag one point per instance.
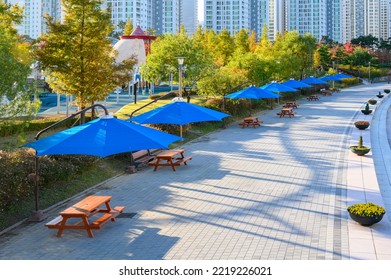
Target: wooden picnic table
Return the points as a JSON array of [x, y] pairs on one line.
[[286, 112], [313, 97], [290, 104], [83, 212], [326, 92], [170, 158], [250, 121]]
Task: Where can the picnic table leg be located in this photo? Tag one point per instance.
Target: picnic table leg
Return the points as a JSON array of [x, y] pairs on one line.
[[62, 225], [157, 164], [172, 165], [87, 224]]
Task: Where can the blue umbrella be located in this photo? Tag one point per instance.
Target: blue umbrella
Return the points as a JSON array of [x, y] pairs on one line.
[[102, 137], [330, 78], [276, 87], [343, 76], [313, 81], [295, 84], [180, 113], [252, 92]]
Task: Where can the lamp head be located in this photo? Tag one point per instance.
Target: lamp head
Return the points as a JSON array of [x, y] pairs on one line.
[[180, 60]]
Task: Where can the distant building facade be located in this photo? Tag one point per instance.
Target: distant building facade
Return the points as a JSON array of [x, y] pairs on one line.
[[163, 16], [340, 20]]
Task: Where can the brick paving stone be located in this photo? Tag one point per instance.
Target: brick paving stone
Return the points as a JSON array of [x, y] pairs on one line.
[[274, 192]]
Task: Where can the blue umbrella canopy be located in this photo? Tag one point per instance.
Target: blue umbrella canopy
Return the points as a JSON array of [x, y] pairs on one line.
[[102, 137], [252, 92], [276, 87], [330, 78], [343, 76], [313, 81], [296, 84], [179, 112]]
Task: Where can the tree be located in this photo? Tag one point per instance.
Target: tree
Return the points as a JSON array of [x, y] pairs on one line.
[[15, 62], [162, 61], [224, 49], [242, 42], [360, 56], [253, 41], [128, 27], [322, 56], [120, 28], [368, 41], [77, 55]]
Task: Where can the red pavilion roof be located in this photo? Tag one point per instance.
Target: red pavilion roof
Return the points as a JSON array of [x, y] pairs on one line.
[[138, 33]]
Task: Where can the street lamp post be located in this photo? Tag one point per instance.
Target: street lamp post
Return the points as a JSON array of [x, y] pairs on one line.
[[180, 63], [369, 72]]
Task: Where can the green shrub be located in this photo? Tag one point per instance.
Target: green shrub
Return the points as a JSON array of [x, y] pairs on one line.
[[372, 101], [366, 209], [16, 126], [17, 166], [349, 82], [387, 91], [171, 95], [236, 107]]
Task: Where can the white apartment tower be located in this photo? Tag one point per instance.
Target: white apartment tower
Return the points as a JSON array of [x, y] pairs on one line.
[[138, 11], [307, 16], [34, 23], [164, 16], [230, 15], [189, 15]]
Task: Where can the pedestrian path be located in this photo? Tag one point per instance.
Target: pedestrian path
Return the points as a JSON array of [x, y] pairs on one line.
[[363, 183], [275, 192]]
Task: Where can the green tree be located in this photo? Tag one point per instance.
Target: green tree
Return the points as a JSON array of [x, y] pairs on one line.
[[242, 42], [254, 70], [368, 41], [360, 56], [301, 48], [77, 55], [224, 49], [162, 61], [120, 28], [222, 82], [322, 56], [253, 41], [128, 29], [15, 62]]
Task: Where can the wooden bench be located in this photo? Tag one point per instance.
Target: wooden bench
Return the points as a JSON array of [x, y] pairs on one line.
[[98, 223], [179, 161], [143, 157]]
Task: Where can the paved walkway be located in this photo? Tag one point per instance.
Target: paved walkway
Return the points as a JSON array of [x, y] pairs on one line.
[[276, 192]]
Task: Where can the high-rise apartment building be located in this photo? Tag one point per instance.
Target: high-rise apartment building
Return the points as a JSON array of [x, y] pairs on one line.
[[164, 16], [230, 15], [307, 16], [189, 15], [34, 22], [138, 11], [340, 20]]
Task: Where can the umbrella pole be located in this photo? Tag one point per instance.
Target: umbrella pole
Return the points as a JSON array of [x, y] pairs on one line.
[[180, 130]]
